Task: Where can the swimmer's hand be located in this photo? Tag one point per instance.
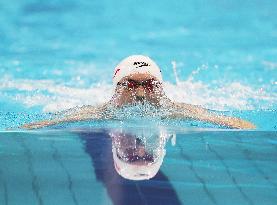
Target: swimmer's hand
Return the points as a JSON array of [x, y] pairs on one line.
[[40, 124], [182, 110]]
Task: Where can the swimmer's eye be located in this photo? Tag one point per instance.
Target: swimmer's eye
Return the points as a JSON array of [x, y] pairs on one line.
[[147, 84], [128, 84], [150, 84], [132, 84]]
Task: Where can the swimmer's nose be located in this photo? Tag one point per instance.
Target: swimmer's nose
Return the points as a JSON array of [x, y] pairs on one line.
[[140, 92]]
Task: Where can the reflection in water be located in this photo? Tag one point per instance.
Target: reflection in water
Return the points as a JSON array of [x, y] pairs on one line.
[[137, 157], [143, 150]]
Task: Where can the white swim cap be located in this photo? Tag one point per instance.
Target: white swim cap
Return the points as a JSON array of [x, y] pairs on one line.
[[136, 64]]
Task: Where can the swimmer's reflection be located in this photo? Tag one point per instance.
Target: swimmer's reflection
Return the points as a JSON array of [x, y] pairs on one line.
[[127, 151], [137, 157]]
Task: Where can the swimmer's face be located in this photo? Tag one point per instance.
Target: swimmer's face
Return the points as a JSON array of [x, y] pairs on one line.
[[138, 88]]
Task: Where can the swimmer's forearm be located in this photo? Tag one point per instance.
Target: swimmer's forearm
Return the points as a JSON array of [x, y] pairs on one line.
[[38, 125], [47, 123], [202, 114], [76, 117], [81, 114], [227, 121]]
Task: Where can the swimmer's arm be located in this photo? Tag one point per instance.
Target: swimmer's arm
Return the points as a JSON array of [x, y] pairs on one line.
[[202, 114], [72, 115]]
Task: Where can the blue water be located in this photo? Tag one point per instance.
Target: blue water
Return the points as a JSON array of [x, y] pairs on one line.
[[76, 167], [56, 55]]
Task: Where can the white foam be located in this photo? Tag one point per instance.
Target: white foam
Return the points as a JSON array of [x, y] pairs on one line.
[[53, 96], [231, 96]]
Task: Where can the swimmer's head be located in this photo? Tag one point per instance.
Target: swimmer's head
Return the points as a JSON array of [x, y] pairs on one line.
[[136, 64], [133, 159], [137, 79]]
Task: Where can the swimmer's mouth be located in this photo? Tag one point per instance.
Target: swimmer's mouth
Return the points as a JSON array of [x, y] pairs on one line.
[[140, 99]]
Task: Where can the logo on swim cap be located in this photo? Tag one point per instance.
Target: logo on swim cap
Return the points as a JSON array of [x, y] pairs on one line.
[[141, 64], [136, 64]]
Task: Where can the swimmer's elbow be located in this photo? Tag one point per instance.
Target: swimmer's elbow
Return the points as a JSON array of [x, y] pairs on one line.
[[37, 125]]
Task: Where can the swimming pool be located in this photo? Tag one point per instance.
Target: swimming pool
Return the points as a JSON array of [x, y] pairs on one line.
[[76, 167], [56, 55]]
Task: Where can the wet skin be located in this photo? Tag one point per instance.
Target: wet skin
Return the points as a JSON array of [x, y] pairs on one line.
[[140, 94]]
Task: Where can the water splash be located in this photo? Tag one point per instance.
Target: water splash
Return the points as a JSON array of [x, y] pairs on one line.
[[52, 96]]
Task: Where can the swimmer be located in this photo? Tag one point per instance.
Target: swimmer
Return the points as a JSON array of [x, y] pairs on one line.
[[138, 80]]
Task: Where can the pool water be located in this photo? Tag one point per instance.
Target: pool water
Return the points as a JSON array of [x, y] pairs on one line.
[[56, 55], [200, 167]]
